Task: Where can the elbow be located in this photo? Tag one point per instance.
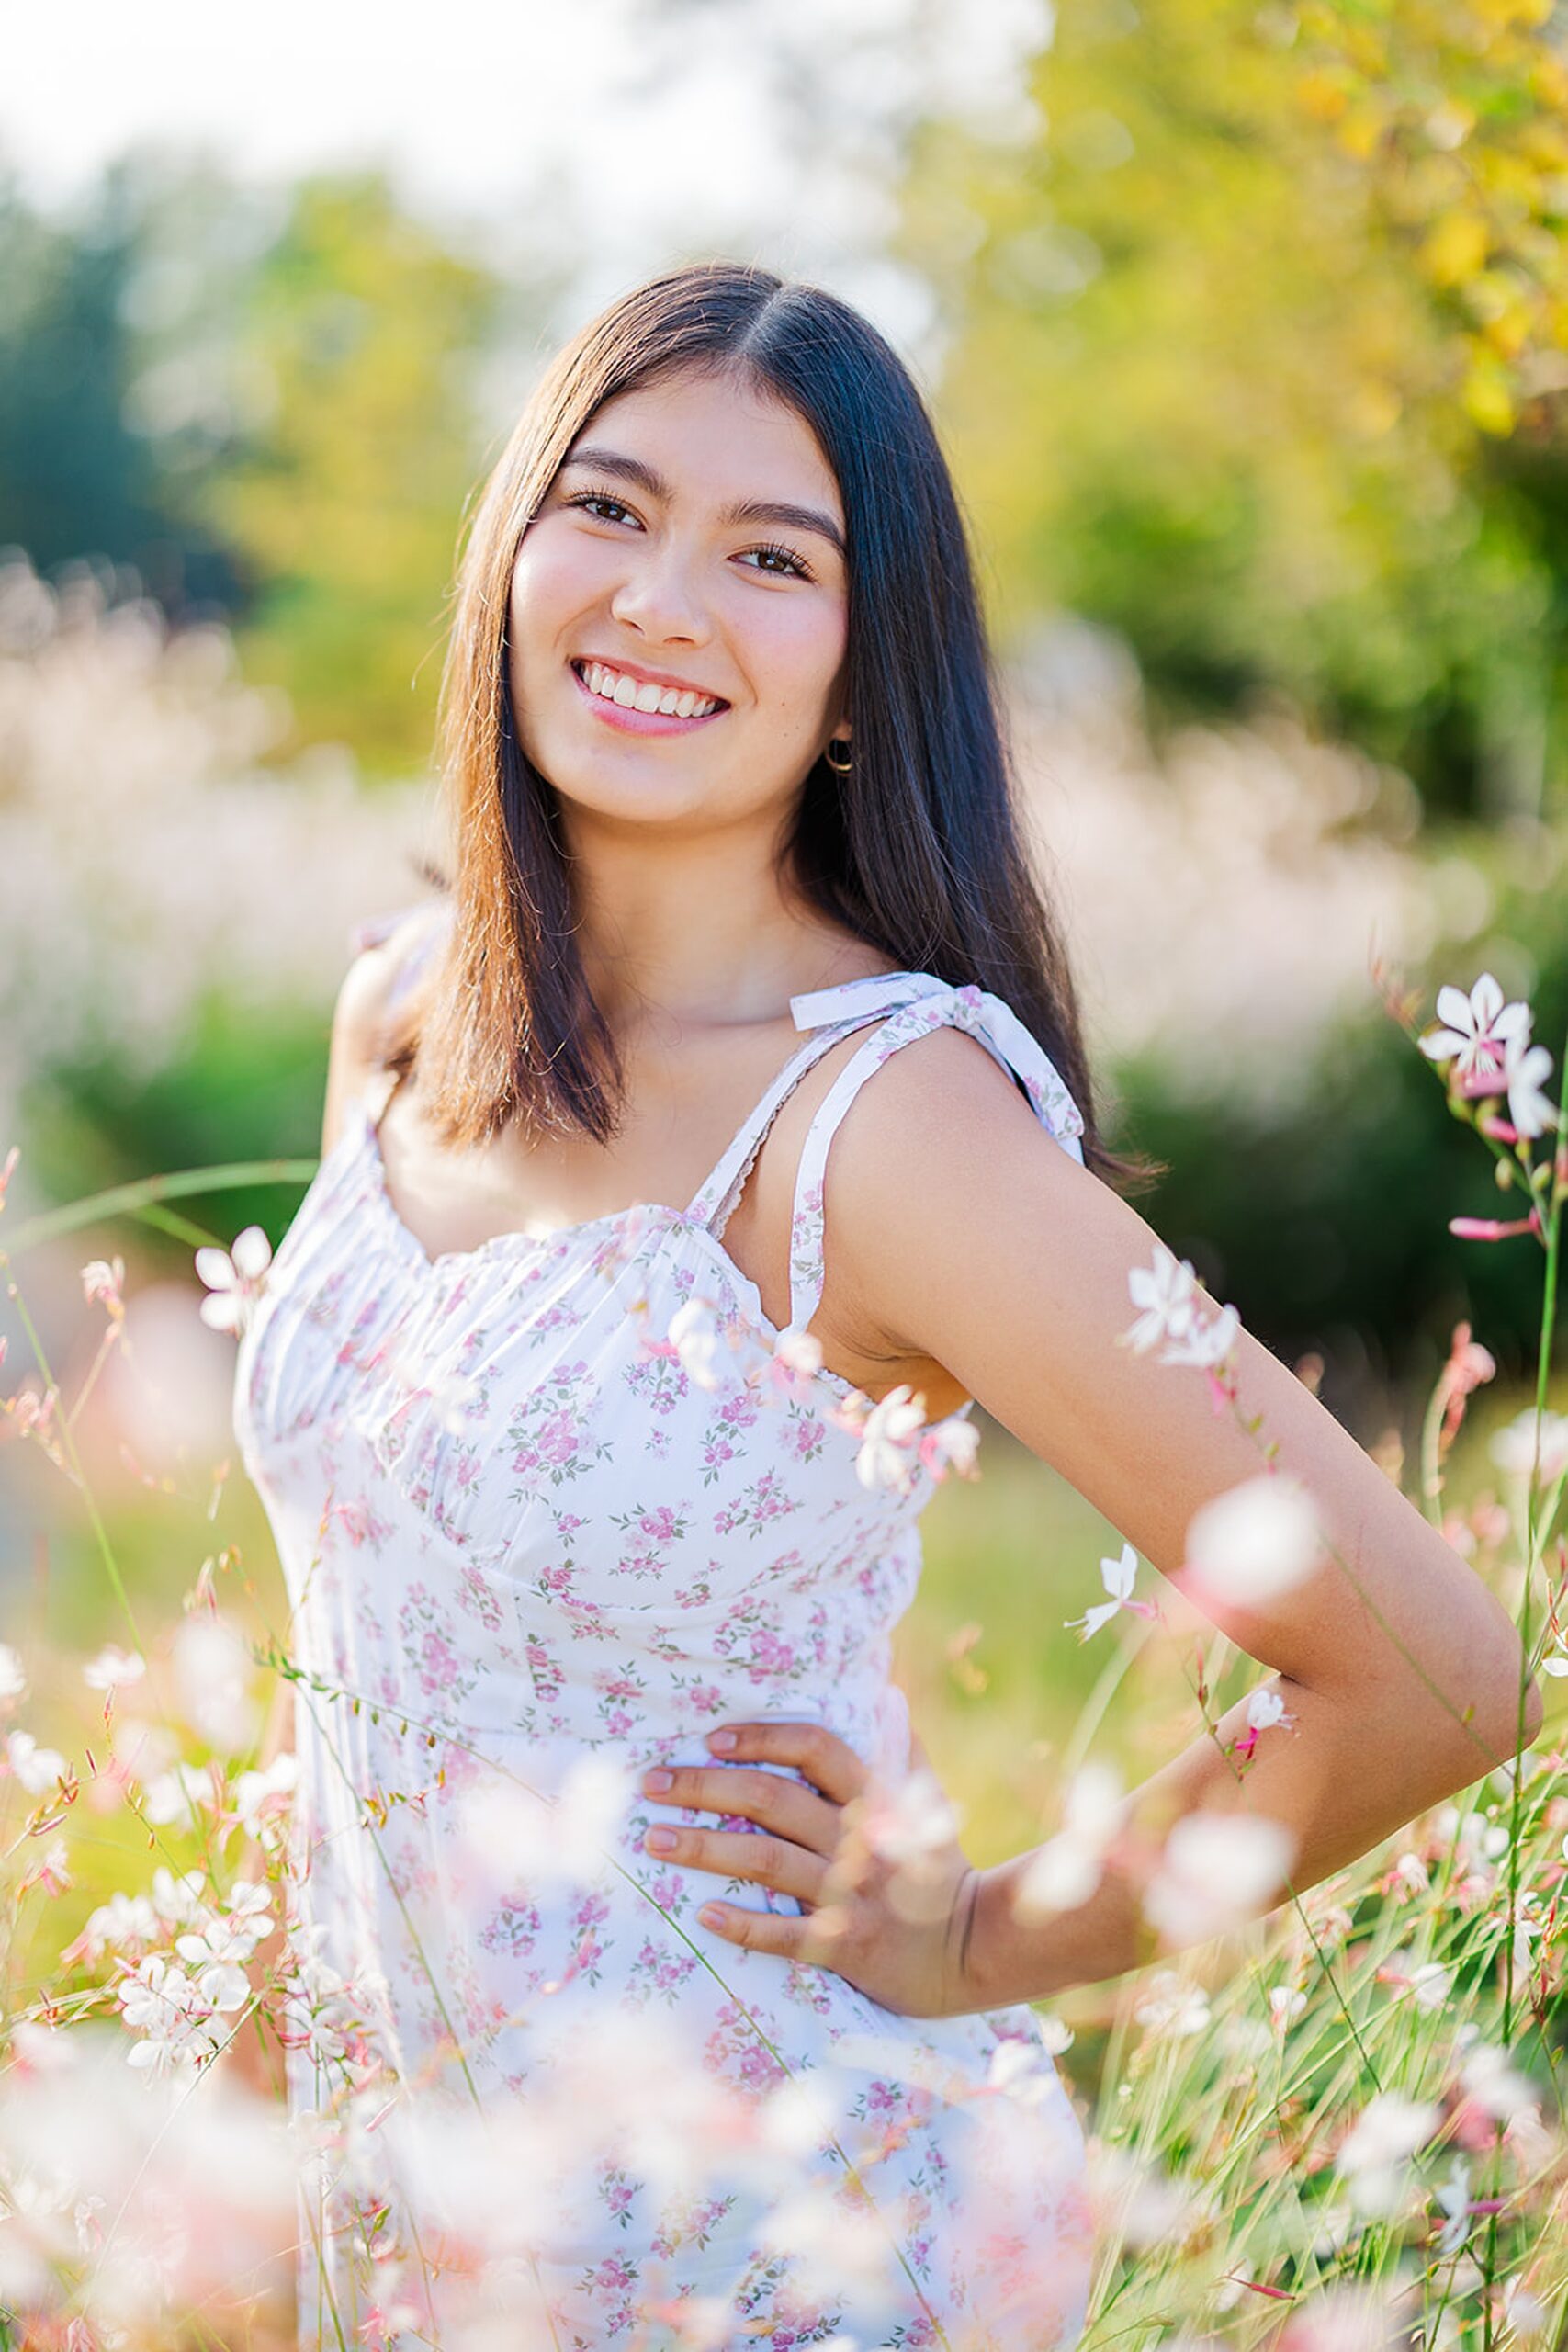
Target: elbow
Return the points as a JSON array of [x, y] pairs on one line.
[[1505, 1725]]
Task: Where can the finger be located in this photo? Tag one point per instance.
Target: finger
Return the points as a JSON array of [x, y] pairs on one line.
[[760, 1860], [828, 1762], [796, 1812], [773, 1932]]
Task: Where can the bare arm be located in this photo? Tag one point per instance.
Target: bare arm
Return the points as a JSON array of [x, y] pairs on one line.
[[1404, 1676]]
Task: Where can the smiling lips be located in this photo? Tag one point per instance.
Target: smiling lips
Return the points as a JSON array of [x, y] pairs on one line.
[[643, 706]]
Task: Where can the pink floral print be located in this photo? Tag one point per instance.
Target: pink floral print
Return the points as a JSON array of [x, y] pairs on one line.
[[557, 1505]]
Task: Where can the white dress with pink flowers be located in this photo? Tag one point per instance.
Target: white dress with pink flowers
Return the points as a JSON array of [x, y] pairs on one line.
[[534, 1541]]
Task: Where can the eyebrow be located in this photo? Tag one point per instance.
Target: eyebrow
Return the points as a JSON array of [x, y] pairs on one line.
[[744, 510]]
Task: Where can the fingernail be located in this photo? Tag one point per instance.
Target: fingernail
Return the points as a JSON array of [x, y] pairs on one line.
[[660, 1840], [711, 1916], [659, 1780], [722, 1738]]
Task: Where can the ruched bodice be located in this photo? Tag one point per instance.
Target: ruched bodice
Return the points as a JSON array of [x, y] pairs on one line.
[[548, 1510]]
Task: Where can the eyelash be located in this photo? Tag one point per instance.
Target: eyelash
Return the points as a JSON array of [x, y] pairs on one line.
[[608, 498]]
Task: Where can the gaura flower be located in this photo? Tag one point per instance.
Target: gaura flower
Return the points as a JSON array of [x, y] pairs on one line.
[[693, 1334], [1526, 1069], [1118, 1577], [101, 1279], [113, 1669], [1178, 1310], [233, 1278], [1475, 1033], [887, 1456], [1254, 1540]]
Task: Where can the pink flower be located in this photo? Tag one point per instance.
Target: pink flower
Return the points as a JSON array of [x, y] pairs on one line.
[[1488, 1229]]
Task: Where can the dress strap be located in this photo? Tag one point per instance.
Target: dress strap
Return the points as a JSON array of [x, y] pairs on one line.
[[837, 1013], [920, 1005]]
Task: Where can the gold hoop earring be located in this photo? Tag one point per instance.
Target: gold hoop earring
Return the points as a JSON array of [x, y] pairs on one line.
[[847, 767]]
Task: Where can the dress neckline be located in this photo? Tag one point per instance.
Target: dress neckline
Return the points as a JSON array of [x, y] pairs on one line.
[[656, 1217]]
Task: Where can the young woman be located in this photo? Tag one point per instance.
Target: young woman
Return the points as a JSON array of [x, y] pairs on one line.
[[689, 1169]]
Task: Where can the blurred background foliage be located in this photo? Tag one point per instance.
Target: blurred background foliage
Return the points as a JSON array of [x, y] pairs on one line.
[[1249, 346]]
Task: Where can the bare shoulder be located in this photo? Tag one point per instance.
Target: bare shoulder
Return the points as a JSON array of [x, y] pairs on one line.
[[943, 1122], [362, 999]]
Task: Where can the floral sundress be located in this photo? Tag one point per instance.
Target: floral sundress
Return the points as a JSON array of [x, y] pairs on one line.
[[532, 1544]]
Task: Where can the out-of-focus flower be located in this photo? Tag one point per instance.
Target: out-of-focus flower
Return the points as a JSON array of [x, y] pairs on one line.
[[1491, 1229], [233, 1278], [51, 1870], [176, 2015], [1453, 2195], [887, 1447], [1176, 1309], [7, 1170], [517, 1833], [694, 1336], [1252, 1542], [1373, 2156], [1427, 1984], [1266, 1709], [1524, 2313], [1067, 1868], [101, 1280], [1486, 2076], [212, 1667], [950, 1446], [1475, 1033], [113, 1669], [1285, 2002], [1513, 1445], [1135, 2201], [1118, 1577], [915, 1818], [1526, 1069], [1215, 1871], [1170, 2004], [36, 1769], [13, 1675], [123, 1919]]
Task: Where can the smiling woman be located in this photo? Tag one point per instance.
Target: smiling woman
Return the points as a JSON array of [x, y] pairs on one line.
[[687, 1174]]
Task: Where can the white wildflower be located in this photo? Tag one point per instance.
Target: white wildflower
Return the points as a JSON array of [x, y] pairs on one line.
[[1373, 2154], [1067, 1868], [1453, 2195], [1526, 1069], [1170, 2004], [1265, 1709], [1501, 2089], [1255, 1541], [113, 1669], [1118, 1576], [1215, 1870], [1476, 1029], [1513, 1445], [38, 1770], [694, 1336], [233, 1278], [887, 1455], [13, 1676], [914, 1819]]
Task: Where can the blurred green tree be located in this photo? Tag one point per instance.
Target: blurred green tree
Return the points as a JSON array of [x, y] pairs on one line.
[[345, 496], [1255, 352]]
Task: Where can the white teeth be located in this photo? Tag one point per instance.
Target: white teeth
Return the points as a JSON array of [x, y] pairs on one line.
[[670, 701]]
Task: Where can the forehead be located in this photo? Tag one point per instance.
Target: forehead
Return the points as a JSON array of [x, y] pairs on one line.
[[714, 439]]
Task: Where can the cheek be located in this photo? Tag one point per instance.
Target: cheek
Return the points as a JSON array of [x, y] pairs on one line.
[[797, 646], [555, 575]]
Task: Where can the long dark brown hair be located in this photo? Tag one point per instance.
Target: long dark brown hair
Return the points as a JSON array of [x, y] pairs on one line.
[[918, 851]]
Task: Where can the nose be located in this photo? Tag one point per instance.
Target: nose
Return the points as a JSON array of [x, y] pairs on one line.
[[657, 596]]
